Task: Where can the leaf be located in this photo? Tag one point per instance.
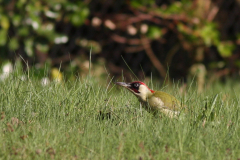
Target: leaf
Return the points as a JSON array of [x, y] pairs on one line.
[[42, 47], [174, 8], [16, 20], [3, 37], [13, 44], [225, 48], [23, 31], [210, 34], [237, 63], [79, 17], [47, 31], [154, 32], [4, 22], [140, 3], [29, 47]]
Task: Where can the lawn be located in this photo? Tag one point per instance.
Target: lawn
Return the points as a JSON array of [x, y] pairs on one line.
[[85, 119]]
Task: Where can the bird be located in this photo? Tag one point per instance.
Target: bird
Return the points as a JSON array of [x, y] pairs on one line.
[[153, 101]]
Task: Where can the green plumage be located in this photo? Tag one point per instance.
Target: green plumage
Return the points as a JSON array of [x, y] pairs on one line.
[[169, 101]]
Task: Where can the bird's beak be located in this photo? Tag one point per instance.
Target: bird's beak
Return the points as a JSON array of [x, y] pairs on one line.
[[123, 84]]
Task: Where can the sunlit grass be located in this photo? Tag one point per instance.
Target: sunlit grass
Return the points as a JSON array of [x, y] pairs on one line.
[[86, 120]]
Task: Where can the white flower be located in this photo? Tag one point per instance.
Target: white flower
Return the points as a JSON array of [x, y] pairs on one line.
[[45, 81], [6, 70]]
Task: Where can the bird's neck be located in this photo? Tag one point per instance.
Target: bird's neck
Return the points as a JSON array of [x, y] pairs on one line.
[[144, 96]]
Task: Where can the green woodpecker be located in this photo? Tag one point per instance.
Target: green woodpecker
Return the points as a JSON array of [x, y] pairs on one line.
[[152, 100]]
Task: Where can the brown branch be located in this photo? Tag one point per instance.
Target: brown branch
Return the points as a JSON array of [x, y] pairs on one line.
[[157, 64], [213, 13], [121, 39], [170, 54], [153, 13], [133, 49]]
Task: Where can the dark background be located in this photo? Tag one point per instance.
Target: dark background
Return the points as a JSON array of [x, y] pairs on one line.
[[151, 37]]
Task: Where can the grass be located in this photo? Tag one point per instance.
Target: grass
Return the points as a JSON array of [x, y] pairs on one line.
[[87, 120]]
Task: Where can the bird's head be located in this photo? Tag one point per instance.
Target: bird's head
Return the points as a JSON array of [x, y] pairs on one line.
[[138, 88]]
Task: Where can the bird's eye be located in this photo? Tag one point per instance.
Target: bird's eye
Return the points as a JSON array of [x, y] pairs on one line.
[[135, 85]]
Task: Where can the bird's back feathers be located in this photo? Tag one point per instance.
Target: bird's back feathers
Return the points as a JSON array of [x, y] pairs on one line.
[[164, 100]]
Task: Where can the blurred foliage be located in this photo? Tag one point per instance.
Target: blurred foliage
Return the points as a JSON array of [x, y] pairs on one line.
[[33, 23], [60, 32]]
